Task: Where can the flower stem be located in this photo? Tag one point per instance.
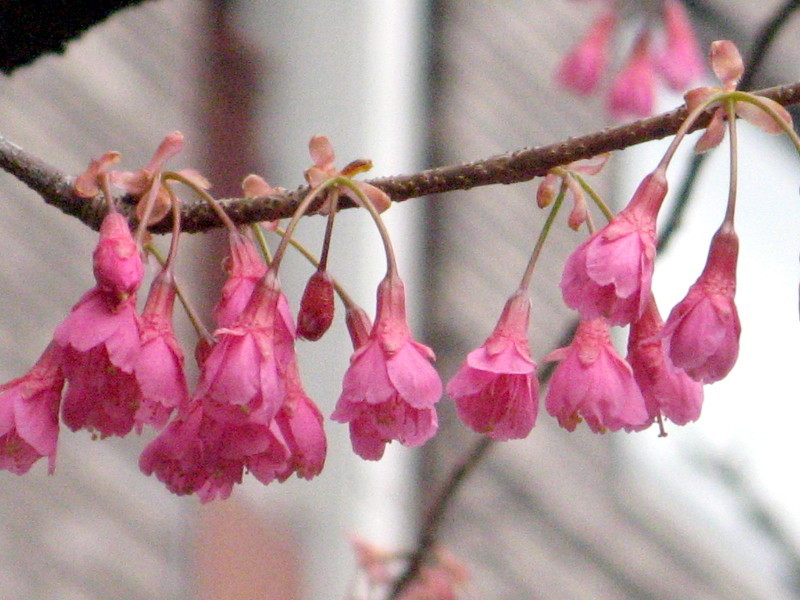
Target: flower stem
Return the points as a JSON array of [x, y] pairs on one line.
[[525, 284]]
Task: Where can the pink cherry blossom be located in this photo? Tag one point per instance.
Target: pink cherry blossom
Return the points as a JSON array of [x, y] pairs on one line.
[[100, 342], [316, 306], [667, 389], [159, 367], [702, 331], [610, 274], [632, 90], [583, 67], [29, 414], [245, 268], [118, 265], [390, 389], [680, 63], [496, 390], [300, 423], [593, 383]]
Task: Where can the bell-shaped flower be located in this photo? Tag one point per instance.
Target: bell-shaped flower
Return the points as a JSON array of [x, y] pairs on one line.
[[300, 422], [100, 342], [680, 62], [610, 274], [496, 390], [633, 88], [29, 414], [159, 368], [582, 69], [245, 268], [390, 389], [593, 383], [667, 390], [702, 331]]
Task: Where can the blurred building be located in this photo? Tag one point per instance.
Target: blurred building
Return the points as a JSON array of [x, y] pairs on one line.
[[408, 84]]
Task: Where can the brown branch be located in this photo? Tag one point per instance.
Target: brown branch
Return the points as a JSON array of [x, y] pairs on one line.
[[513, 167]]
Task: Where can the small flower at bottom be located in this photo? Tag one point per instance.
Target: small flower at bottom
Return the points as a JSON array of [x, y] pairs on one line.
[[593, 383], [29, 414], [667, 389], [702, 331], [390, 389], [496, 390]]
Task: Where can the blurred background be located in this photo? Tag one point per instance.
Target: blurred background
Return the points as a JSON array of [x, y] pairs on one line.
[[708, 512]]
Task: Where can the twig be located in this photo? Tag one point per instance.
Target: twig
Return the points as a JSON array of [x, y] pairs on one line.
[[513, 167]]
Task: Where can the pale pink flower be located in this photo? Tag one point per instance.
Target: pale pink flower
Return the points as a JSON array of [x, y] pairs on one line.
[[496, 390], [583, 67], [323, 169], [245, 268], [390, 389], [100, 341], [680, 63], [702, 331], [593, 383], [667, 389], [632, 89], [610, 274], [117, 260], [29, 414], [159, 368]]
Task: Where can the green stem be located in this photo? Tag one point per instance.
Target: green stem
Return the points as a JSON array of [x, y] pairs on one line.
[[525, 284]]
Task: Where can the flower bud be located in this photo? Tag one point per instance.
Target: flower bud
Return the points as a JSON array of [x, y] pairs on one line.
[[316, 307]]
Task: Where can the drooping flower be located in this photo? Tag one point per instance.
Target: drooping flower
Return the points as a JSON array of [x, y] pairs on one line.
[[665, 45], [390, 389], [610, 274], [702, 331], [316, 306], [159, 367], [667, 390], [582, 69], [632, 90], [100, 342], [29, 414], [245, 268], [496, 390], [593, 383]]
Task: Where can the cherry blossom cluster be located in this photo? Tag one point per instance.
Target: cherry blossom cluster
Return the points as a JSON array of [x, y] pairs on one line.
[[607, 280], [665, 46], [113, 370]]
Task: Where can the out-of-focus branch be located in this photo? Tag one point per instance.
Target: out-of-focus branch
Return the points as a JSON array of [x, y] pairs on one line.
[[513, 167]]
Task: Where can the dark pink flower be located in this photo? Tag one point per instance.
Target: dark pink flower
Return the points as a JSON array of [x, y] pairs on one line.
[[100, 341], [242, 370], [29, 414], [702, 331], [118, 265], [583, 67], [667, 389], [316, 306], [300, 423], [496, 390], [610, 274], [632, 90], [593, 383], [159, 368], [245, 268], [390, 389]]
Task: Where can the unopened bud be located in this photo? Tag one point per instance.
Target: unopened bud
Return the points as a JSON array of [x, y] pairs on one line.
[[316, 307]]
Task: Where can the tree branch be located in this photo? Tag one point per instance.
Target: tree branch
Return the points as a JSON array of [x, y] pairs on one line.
[[514, 167]]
